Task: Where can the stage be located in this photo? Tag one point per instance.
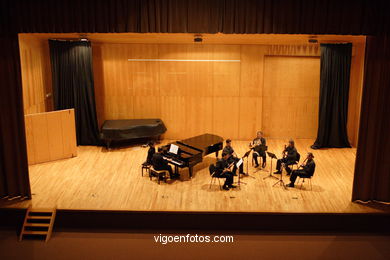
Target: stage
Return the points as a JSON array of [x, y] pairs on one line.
[[98, 179]]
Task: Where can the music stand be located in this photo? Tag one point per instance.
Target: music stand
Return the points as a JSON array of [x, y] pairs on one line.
[[272, 156], [246, 155]]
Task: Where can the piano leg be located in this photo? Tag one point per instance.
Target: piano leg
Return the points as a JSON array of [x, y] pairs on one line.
[[176, 169], [190, 171], [216, 153]]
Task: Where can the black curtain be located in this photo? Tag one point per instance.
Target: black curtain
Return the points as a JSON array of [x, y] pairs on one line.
[[197, 16], [334, 92], [372, 166], [73, 87], [14, 179]]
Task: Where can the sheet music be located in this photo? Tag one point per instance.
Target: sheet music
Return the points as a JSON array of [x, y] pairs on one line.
[[173, 148], [239, 163]]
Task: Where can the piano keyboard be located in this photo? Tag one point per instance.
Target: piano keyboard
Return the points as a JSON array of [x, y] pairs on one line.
[[174, 161]]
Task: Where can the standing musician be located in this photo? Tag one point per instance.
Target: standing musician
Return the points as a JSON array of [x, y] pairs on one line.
[[222, 170], [151, 151], [289, 157], [159, 164], [232, 157], [306, 171], [258, 145]]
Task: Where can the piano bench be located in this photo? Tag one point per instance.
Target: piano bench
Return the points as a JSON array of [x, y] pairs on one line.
[[146, 167], [160, 175]]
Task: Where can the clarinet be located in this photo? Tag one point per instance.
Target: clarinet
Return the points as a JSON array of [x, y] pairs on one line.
[[303, 163], [284, 151]]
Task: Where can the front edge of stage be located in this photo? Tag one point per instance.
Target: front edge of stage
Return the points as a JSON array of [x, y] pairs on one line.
[[149, 221]]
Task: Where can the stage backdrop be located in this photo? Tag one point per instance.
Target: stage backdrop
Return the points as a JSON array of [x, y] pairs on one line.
[[270, 87], [226, 95]]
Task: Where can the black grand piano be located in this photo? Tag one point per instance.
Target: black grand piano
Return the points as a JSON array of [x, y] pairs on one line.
[[191, 151]]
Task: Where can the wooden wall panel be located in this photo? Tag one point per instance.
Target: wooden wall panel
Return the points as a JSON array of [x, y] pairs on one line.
[[226, 79], [226, 117], [99, 82], [175, 117], [55, 136], [200, 79], [50, 136], [250, 117], [145, 78], [173, 79], [290, 95], [251, 80], [36, 75], [68, 126], [199, 119], [29, 140], [147, 107], [234, 99], [40, 137]]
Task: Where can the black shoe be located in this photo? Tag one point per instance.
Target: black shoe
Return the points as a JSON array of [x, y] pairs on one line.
[[232, 186], [225, 187], [290, 185], [256, 165], [234, 174], [243, 173], [264, 164], [278, 172]]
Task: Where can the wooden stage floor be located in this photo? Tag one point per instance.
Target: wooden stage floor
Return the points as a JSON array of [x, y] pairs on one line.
[[111, 180]]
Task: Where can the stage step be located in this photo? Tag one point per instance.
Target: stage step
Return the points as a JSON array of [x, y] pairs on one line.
[[46, 216], [37, 225], [39, 217]]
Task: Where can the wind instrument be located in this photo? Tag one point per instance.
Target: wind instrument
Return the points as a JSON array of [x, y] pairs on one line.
[[284, 151], [303, 163]]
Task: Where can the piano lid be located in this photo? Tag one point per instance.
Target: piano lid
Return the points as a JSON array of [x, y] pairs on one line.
[[201, 142]]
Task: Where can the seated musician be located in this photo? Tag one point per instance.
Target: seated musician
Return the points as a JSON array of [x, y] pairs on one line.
[[289, 157], [306, 171], [258, 149], [159, 164], [232, 157], [222, 170], [151, 151]]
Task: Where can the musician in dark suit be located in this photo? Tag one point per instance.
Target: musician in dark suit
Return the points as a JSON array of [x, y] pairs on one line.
[[151, 151], [232, 157], [289, 157], [258, 145], [159, 164], [306, 171], [223, 171]]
